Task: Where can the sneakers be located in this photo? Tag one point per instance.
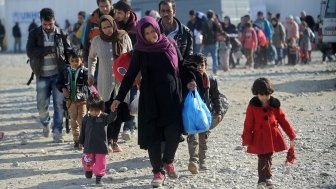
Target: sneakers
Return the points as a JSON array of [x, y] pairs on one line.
[[126, 135], [192, 167], [116, 148], [269, 184], [46, 131], [158, 180], [58, 138], [169, 167], [88, 174], [262, 185]]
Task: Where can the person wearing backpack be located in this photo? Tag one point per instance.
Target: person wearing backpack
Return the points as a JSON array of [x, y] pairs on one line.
[[48, 49], [193, 75]]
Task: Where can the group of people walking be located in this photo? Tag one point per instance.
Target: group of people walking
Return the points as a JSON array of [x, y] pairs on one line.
[[163, 68]]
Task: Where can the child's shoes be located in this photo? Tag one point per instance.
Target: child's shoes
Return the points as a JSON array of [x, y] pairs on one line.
[[193, 167]]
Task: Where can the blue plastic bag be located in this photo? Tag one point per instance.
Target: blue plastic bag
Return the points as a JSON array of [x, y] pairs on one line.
[[196, 115]]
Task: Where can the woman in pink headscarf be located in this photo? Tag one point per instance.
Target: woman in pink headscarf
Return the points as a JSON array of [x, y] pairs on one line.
[[160, 101]]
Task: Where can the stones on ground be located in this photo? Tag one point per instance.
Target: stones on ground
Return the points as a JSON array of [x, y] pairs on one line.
[[16, 164], [123, 169]]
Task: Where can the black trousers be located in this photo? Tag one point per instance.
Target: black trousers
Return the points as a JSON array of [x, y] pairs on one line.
[[170, 135], [113, 129]]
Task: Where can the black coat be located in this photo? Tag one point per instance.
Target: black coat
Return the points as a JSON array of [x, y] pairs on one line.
[[210, 94], [93, 134], [160, 94], [183, 38]]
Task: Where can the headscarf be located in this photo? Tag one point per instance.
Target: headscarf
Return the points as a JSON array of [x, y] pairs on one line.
[[116, 38], [163, 44]]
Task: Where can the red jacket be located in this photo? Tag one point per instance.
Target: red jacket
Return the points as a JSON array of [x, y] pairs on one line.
[[249, 39], [261, 127]]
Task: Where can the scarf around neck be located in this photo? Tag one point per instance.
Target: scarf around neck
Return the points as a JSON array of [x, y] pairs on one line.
[[116, 38], [163, 44]]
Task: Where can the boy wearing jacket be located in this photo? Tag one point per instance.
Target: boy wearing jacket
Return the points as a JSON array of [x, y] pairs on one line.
[[193, 74], [72, 82]]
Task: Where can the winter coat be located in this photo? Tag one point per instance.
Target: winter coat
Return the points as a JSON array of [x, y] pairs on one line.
[[102, 50], [92, 30], [207, 86], [266, 27], [305, 38], [279, 36], [183, 38], [17, 31], [65, 81], [93, 134], [36, 50], [249, 39], [160, 101], [261, 131], [129, 26]]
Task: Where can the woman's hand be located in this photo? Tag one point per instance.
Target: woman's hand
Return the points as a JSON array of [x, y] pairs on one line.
[[219, 118], [114, 105], [191, 85]]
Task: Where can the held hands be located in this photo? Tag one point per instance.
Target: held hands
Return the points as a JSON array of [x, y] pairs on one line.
[[191, 85], [80, 147], [219, 118], [114, 105]]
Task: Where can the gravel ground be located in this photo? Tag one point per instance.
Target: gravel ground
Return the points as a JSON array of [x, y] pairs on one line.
[[307, 93]]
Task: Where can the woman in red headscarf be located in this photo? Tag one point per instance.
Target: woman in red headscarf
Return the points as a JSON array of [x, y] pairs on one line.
[[160, 101]]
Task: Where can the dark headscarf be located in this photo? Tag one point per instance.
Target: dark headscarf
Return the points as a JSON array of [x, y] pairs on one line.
[[163, 44], [117, 36]]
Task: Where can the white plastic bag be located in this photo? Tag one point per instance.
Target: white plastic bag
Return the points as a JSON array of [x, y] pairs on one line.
[[134, 105]]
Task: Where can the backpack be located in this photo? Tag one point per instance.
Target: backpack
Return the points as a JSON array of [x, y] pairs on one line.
[[223, 100]]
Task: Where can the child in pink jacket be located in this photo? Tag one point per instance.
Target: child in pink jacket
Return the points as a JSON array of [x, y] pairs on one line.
[[250, 41]]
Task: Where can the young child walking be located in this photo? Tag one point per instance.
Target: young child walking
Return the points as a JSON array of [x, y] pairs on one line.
[[93, 137], [194, 75], [261, 133], [250, 41], [72, 82]]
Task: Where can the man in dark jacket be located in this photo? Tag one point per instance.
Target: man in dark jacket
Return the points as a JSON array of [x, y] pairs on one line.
[[17, 37], [195, 25], [309, 19], [92, 25], [48, 48], [126, 19], [32, 25], [172, 27]]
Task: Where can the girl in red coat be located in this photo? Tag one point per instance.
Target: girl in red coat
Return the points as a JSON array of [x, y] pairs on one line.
[[262, 134]]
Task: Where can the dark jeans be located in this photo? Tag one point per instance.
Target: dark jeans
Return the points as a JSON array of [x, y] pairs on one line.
[[264, 167], [171, 135]]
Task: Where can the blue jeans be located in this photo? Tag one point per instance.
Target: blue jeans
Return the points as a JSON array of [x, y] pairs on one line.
[[46, 87], [280, 54], [131, 125], [212, 49]]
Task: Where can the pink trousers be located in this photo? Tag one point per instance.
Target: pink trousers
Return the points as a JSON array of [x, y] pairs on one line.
[[95, 163]]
